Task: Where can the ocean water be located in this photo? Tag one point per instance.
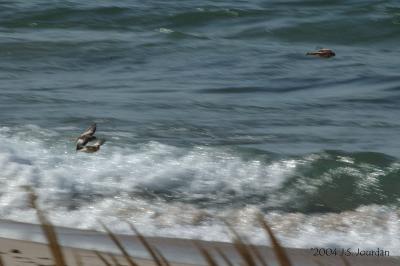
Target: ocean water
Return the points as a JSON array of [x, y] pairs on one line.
[[211, 111]]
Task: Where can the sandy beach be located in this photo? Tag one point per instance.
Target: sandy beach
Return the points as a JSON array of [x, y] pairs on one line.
[[31, 250]]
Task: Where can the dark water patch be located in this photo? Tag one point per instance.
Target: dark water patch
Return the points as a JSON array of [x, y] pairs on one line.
[[233, 90], [239, 90], [87, 118], [73, 50], [394, 88], [229, 107], [315, 106], [286, 85], [328, 32], [17, 99], [156, 91], [118, 18], [201, 16], [388, 100], [67, 17]]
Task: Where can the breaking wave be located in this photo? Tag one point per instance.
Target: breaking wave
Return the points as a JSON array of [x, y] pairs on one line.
[[175, 191]]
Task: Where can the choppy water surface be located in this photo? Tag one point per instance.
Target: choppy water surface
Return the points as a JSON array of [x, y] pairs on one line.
[[210, 110]]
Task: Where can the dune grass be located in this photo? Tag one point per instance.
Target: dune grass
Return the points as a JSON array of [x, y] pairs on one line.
[[279, 251], [146, 244], [102, 258], [48, 230], [118, 243], [206, 254], [224, 257]]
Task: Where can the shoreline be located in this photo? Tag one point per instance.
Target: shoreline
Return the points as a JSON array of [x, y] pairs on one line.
[[177, 251]]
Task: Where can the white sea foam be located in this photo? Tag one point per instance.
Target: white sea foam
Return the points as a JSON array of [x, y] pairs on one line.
[[161, 188], [165, 30], [49, 162]]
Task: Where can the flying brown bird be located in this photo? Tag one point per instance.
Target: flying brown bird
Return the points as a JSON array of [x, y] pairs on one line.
[[93, 148], [326, 53], [85, 137]]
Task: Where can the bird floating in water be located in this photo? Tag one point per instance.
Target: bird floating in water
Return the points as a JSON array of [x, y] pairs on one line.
[[323, 53], [85, 138]]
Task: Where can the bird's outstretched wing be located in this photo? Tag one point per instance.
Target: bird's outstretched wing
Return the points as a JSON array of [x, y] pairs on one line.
[[89, 131], [85, 137]]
